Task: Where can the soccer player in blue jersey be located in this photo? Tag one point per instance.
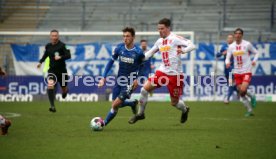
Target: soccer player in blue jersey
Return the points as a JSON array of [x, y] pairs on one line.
[[148, 64], [130, 57], [232, 87], [223, 52]]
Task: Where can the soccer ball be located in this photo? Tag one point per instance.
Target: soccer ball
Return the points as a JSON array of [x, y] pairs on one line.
[[97, 124]]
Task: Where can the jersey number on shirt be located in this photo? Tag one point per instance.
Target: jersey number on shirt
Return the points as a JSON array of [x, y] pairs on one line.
[[165, 57], [239, 61]]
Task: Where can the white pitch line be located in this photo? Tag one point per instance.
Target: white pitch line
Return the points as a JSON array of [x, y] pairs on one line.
[[10, 115]]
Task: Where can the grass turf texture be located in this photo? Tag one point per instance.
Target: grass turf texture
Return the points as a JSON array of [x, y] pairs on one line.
[[213, 130]]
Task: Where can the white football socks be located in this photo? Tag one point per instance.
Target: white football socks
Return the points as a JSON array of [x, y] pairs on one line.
[[181, 106], [246, 104], [143, 100], [249, 94]]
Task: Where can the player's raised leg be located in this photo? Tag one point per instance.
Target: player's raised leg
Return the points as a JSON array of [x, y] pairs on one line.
[[175, 87], [180, 105], [113, 111], [51, 91], [148, 87], [242, 90], [63, 84], [132, 104], [252, 97]]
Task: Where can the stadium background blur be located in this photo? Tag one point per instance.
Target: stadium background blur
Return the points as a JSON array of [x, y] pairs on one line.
[[210, 20], [214, 130]]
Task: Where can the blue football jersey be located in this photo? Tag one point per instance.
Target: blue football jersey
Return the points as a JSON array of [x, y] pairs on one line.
[[224, 48], [130, 60]]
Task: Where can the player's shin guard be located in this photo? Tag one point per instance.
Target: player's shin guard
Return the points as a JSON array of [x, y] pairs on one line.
[[181, 106], [111, 114], [246, 104], [51, 96], [143, 100]]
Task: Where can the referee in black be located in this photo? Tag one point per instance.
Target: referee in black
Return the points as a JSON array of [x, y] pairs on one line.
[[57, 53]]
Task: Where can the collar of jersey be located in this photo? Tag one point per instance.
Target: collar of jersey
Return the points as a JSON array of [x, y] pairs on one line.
[[169, 35], [129, 49]]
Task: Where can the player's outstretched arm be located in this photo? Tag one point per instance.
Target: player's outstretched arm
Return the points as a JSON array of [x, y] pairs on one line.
[[106, 70], [150, 53], [227, 59], [45, 55], [189, 47], [2, 72], [255, 52]]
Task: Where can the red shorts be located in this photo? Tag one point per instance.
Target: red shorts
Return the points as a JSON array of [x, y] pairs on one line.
[[174, 83], [240, 78]]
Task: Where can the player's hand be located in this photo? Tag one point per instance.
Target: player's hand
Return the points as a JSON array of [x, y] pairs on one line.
[[2, 73], [38, 65], [57, 58], [224, 52], [101, 83], [253, 63], [135, 84], [179, 50], [228, 65]]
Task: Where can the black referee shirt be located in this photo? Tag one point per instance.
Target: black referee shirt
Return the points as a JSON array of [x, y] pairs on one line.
[[51, 51]]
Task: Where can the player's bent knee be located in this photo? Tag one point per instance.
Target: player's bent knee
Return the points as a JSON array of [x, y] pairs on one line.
[[148, 87], [51, 84], [174, 102], [243, 92], [144, 92]]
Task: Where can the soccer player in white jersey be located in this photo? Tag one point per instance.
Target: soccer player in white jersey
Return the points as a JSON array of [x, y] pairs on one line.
[[169, 73], [241, 51]]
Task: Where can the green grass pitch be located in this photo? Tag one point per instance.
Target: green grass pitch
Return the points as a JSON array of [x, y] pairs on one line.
[[213, 130]]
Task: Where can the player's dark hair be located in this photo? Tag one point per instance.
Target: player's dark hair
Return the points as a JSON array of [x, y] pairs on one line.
[[129, 29], [238, 29], [54, 31], [143, 40], [165, 21]]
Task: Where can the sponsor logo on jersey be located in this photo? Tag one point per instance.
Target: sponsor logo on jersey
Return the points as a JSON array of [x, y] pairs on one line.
[[165, 48], [126, 59], [238, 53]]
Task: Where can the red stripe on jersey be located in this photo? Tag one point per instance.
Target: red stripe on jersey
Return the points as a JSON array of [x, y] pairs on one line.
[[165, 41]]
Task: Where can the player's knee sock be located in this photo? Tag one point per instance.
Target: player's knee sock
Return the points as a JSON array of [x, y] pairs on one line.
[[111, 114], [249, 94], [130, 103], [181, 106], [230, 92], [51, 96], [2, 120], [143, 100], [246, 103]]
